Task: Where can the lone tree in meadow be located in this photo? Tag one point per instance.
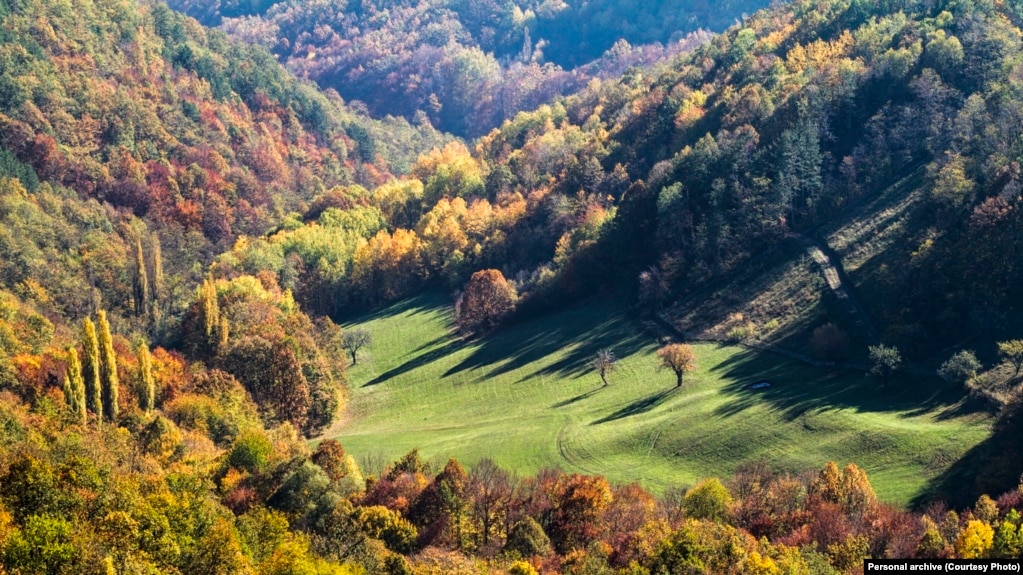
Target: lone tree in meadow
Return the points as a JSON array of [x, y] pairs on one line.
[[884, 360], [679, 358], [354, 340], [1012, 352], [605, 362]]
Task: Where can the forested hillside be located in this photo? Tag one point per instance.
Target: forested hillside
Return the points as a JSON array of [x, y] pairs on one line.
[[182, 222], [466, 66], [187, 139], [687, 172]]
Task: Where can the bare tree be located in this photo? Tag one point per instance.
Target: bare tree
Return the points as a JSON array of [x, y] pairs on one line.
[[490, 491], [605, 363], [354, 340]]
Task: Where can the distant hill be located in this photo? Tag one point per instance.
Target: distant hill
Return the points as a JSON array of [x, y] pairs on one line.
[[466, 65]]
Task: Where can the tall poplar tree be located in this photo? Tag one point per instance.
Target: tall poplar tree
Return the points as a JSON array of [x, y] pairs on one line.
[[108, 368], [214, 326], [140, 287], [90, 368], [74, 385], [156, 293], [147, 385]]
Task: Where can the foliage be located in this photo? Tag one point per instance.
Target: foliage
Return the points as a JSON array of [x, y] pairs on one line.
[[74, 386], [522, 568], [679, 358], [829, 342], [884, 360], [527, 539], [488, 298], [108, 379], [464, 66], [146, 382], [974, 540], [91, 367], [960, 368], [708, 500], [251, 452], [185, 190], [1012, 351]]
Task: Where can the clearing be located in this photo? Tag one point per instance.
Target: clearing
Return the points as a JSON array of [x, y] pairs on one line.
[[527, 398]]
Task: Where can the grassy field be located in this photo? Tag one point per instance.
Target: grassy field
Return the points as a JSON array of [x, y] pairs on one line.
[[527, 398]]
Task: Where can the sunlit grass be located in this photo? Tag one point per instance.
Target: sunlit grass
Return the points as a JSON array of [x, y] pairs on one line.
[[527, 398]]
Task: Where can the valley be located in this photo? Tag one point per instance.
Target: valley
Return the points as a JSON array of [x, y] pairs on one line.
[[528, 398]]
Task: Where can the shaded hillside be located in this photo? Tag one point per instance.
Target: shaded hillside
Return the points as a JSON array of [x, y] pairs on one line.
[[466, 66], [786, 123], [573, 32]]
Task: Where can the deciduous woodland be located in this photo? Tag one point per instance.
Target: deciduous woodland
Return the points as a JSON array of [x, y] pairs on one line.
[[197, 224]]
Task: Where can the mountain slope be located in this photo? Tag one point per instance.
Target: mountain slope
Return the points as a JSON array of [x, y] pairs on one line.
[[177, 129], [686, 172], [465, 66]]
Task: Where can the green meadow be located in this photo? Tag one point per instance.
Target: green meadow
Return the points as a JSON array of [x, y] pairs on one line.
[[528, 398]]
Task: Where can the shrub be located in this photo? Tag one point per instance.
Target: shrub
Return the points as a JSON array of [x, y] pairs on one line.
[[960, 368], [527, 539], [829, 342], [742, 332]]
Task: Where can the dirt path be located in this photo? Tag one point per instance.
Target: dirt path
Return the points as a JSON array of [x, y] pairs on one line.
[[831, 269], [830, 273]]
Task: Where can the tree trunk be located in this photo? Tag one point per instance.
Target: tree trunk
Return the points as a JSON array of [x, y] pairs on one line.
[[678, 374]]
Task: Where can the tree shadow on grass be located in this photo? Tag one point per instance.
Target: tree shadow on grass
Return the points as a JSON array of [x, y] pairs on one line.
[[993, 466], [637, 407], [580, 397], [577, 333], [420, 304], [797, 388], [417, 362], [434, 342]]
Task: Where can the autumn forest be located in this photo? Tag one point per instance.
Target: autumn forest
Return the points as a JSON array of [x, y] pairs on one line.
[[211, 211]]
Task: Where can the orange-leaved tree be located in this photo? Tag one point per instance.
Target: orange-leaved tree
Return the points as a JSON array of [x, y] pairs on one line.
[[679, 358], [488, 298]]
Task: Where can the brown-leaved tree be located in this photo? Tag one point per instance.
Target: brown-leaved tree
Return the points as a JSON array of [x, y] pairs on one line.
[[488, 298]]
